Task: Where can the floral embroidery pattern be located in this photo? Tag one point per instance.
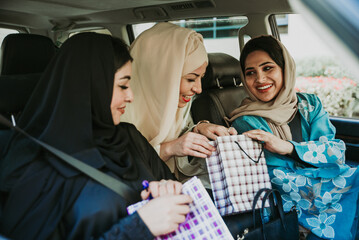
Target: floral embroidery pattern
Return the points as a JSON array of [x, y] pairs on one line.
[[294, 199], [321, 225], [334, 148], [305, 108], [285, 180], [340, 181], [315, 154], [328, 202]]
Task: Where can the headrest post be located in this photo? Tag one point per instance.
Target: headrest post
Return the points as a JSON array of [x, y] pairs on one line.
[[218, 84], [235, 82], [13, 120]]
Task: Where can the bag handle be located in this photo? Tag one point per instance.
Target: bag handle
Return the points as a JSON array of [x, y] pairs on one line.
[[255, 200], [260, 154], [279, 207], [110, 182]]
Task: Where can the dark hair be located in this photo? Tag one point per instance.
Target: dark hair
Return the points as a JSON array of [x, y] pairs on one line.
[[264, 43], [121, 53]]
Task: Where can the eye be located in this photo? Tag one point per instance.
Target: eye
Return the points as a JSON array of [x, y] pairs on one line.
[[249, 73], [191, 80], [122, 87], [267, 68]]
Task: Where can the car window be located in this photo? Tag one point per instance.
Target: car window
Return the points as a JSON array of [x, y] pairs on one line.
[[319, 70], [220, 33], [4, 32]]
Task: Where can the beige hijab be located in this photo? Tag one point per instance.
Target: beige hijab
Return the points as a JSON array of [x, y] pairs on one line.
[[162, 55], [281, 110]]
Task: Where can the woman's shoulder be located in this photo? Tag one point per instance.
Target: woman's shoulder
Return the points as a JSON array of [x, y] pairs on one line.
[[308, 97], [250, 119], [248, 122]]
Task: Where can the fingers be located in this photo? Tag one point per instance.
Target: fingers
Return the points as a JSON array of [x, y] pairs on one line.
[[162, 215], [258, 134], [162, 188], [212, 131], [197, 145], [145, 194], [232, 131]]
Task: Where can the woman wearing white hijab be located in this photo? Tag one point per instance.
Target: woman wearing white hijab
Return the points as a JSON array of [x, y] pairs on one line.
[[305, 161], [169, 62]]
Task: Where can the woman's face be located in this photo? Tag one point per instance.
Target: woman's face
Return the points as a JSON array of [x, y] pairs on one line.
[[191, 85], [122, 92], [263, 76]]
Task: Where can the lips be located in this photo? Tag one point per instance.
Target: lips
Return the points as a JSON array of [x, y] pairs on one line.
[[121, 110], [264, 87], [186, 98]]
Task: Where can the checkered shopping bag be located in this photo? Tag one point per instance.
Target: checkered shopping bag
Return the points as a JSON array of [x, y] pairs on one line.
[[237, 170]]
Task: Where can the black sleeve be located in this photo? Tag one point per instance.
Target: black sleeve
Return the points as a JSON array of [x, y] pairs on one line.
[[131, 227], [149, 154]]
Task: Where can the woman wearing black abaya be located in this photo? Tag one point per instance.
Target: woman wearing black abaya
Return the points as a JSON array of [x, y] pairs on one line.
[[76, 108]]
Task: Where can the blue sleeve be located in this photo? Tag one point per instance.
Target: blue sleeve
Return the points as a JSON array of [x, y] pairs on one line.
[[245, 123], [129, 228], [319, 147]]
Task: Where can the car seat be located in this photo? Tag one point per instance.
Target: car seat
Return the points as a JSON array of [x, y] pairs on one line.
[[222, 90], [23, 59], [23, 53]]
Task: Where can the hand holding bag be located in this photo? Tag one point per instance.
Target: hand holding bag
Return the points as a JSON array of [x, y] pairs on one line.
[[237, 170]]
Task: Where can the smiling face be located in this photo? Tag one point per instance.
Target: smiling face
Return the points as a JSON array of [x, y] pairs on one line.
[[122, 92], [263, 76], [191, 85]]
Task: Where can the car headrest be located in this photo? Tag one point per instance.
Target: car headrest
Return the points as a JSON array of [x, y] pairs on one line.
[[223, 70], [15, 91], [23, 53]]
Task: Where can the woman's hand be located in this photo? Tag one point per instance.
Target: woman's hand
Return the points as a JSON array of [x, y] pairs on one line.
[[189, 144], [212, 131], [163, 215], [271, 143], [162, 188]]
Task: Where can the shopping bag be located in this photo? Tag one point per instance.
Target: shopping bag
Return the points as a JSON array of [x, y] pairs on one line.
[[237, 171], [202, 222]]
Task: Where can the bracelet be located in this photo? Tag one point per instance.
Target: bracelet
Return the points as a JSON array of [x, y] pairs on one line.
[[195, 126]]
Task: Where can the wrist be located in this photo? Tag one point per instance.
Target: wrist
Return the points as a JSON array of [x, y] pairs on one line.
[[164, 152], [195, 129]]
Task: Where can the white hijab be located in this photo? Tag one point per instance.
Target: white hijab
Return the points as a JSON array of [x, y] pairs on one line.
[[162, 55]]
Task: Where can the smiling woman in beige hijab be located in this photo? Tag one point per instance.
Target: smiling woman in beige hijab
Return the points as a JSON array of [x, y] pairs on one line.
[[169, 62], [304, 158]]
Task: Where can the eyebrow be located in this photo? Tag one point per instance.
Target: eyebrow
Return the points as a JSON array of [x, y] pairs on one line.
[[260, 65], [126, 77], [197, 75]]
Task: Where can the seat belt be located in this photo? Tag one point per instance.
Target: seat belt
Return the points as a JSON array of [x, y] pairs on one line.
[[296, 128], [110, 182]]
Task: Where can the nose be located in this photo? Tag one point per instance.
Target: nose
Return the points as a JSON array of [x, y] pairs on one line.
[[197, 87], [129, 96], [260, 76]]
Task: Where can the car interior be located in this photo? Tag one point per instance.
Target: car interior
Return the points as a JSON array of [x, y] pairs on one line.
[[41, 26], [31, 32]]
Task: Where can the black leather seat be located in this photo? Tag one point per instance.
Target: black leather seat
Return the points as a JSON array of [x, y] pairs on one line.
[[222, 90]]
